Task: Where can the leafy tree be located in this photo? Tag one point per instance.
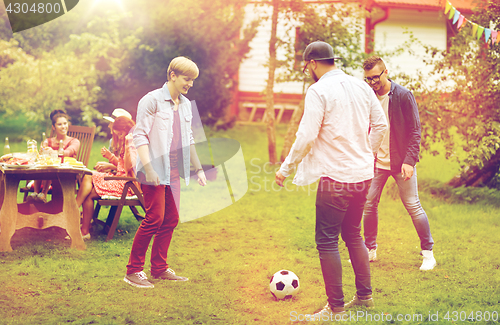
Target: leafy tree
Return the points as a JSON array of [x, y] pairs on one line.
[[208, 32], [269, 113], [91, 61], [288, 10], [338, 25], [67, 77], [44, 38], [462, 109]]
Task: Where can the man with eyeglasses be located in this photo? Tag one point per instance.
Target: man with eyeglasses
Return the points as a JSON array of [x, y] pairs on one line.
[[396, 157], [341, 130]]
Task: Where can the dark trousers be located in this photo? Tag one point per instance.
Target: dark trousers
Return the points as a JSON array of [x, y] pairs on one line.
[[162, 216], [339, 210]]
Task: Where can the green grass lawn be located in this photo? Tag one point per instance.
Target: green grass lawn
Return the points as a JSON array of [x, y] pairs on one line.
[[231, 254]]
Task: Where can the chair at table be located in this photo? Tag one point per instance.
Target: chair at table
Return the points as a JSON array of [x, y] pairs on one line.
[[86, 136], [117, 205]]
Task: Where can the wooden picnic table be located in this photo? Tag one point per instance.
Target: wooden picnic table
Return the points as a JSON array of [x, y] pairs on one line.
[[61, 211]]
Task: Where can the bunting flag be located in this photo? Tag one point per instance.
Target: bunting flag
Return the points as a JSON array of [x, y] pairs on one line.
[[460, 22], [477, 30], [456, 16], [480, 30], [487, 33], [474, 29], [452, 12], [447, 7]]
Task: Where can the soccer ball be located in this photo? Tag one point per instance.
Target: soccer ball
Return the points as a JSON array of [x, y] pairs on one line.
[[284, 284]]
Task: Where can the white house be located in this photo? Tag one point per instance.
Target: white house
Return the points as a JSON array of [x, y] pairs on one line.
[[390, 22]]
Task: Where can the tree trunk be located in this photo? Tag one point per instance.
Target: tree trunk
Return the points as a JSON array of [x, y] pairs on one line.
[[477, 177], [292, 130], [269, 115]]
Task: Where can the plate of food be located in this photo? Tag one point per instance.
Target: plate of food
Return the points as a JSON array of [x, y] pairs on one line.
[[16, 162], [48, 166], [14, 166], [75, 164], [6, 157]]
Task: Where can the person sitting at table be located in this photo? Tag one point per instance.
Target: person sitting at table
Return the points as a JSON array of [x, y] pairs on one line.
[[104, 166], [111, 119], [123, 156], [60, 124]]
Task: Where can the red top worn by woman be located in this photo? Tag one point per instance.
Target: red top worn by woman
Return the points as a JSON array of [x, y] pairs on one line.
[[70, 145]]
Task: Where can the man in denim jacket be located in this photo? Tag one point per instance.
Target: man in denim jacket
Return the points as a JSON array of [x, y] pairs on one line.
[[396, 157], [165, 147]]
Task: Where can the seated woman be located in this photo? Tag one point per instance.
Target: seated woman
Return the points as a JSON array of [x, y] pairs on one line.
[[102, 166], [71, 146], [123, 156]]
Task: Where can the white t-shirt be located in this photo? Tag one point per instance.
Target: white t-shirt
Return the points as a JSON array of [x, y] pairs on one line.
[[383, 155]]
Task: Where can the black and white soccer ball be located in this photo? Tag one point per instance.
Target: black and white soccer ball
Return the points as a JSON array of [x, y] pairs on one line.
[[284, 284]]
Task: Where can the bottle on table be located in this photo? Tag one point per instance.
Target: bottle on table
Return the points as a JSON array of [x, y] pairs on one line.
[[6, 147], [60, 152], [43, 158], [32, 149]]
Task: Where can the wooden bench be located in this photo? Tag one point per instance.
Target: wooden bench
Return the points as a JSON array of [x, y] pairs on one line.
[[260, 108]]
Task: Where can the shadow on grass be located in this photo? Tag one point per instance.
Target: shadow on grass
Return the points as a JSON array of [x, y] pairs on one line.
[[49, 238], [467, 195], [38, 241]]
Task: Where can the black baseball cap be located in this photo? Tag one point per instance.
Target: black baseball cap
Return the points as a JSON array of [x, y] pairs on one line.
[[319, 51]]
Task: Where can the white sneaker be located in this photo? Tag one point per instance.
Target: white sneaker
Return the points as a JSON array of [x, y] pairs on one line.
[[429, 261], [42, 198], [372, 255], [366, 301], [32, 197], [138, 279], [169, 274], [337, 313], [84, 237]]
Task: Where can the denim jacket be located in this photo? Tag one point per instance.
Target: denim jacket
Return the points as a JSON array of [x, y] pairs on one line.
[[155, 118], [404, 121]]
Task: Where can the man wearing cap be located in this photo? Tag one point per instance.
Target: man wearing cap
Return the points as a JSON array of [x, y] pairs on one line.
[[340, 132]]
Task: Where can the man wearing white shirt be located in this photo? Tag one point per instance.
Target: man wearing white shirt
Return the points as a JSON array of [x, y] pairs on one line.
[[340, 132]]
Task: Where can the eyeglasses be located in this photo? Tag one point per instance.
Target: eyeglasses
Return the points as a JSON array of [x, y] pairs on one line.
[[305, 68], [374, 79]]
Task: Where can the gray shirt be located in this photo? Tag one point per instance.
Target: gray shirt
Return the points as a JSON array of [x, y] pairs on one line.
[[155, 118]]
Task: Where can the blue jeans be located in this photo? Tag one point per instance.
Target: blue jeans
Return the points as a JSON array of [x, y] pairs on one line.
[[339, 209], [408, 191]]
